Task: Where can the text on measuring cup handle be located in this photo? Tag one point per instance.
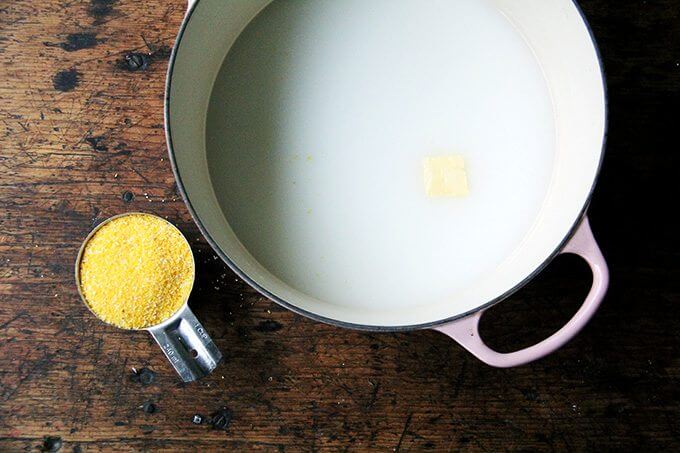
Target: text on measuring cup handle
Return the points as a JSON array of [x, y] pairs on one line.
[[170, 352], [200, 331]]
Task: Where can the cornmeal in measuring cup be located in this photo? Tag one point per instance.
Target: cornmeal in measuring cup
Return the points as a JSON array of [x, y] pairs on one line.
[[136, 271]]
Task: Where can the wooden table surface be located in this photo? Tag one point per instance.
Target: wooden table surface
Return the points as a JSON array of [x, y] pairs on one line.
[[82, 139]]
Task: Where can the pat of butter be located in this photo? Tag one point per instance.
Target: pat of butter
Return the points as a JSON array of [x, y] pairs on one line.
[[445, 176]]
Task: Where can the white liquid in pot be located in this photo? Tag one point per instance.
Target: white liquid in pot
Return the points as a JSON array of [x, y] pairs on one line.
[[318, 125]]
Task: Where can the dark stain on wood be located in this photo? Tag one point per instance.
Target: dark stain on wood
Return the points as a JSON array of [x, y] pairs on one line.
[[66, 80], [530, 394], [268, 326], [147, 429], [100, 10], [98, 143], [76, 41]]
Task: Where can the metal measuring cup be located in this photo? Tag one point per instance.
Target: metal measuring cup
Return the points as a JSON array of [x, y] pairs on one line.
[[182, 337]]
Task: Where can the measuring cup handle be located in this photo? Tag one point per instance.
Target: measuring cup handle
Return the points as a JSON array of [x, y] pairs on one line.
[[187, 346]]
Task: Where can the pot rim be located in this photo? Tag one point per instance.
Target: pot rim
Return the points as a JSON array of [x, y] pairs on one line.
[[367, 327]]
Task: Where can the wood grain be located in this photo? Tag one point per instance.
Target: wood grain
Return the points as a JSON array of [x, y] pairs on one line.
[[81, 92]]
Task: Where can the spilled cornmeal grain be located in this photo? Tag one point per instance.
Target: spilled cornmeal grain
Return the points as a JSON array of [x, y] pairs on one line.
[[136, 271]]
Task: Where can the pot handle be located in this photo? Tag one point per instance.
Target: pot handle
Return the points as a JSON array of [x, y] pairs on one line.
[[187, 346], [466, 331]]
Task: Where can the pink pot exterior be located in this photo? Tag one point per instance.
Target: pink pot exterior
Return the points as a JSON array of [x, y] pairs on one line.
[[466, 331]]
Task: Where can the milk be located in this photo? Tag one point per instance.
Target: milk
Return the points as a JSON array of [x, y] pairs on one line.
[[318, 125]]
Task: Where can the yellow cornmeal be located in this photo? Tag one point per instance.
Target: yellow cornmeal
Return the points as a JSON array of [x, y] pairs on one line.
[[136, 271]]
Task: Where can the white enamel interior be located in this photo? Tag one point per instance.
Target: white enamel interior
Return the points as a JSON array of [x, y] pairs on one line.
[[563, 49]]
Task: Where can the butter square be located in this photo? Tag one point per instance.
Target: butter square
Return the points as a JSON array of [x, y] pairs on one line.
[[445, 176]]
